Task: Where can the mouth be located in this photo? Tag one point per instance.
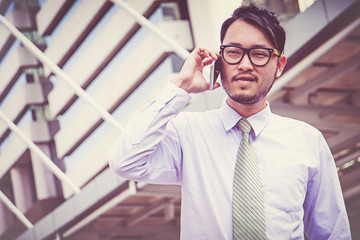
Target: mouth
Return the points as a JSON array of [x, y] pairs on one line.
[[246, 78]]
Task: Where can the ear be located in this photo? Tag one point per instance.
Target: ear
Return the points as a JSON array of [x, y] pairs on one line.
[[281, 66]]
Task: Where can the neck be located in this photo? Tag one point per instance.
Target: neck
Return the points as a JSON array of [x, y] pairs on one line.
[[247, 110]]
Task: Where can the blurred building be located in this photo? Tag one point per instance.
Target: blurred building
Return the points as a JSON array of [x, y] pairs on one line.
[[58, 184]]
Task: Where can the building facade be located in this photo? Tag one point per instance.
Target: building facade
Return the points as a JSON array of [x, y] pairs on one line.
[[66, 95]]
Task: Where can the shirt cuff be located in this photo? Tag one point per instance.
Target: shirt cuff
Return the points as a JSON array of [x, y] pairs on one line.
[[174, 97]]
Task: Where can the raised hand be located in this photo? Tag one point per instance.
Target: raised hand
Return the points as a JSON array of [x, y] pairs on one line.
[[191, 77]]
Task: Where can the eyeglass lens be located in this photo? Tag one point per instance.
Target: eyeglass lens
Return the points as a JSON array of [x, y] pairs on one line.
[[258, 56]]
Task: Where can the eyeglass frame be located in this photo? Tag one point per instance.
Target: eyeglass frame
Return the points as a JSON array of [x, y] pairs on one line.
[[247, 51]]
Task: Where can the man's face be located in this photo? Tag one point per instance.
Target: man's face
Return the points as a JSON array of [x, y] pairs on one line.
[[244, 82]]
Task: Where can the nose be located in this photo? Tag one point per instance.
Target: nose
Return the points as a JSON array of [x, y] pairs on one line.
[[245, 63]]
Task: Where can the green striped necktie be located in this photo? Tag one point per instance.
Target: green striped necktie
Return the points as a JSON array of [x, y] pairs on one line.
[[248, 202]]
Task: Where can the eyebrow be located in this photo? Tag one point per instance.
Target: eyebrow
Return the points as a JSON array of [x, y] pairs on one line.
[[253, 46]]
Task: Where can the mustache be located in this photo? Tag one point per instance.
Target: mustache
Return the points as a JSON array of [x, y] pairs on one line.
[[245, 77]]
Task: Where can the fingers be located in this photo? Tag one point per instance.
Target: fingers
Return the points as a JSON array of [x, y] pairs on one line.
[[207, 61], [206, 53], [190, 77]]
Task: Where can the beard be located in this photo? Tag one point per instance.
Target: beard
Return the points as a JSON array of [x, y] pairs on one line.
[[247, 99]]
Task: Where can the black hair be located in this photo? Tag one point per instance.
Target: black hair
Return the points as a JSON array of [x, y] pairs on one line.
[[262, 18]]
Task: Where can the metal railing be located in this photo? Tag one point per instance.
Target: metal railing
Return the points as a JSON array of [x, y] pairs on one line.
[[15, 210], [178, 49], [81, 93]]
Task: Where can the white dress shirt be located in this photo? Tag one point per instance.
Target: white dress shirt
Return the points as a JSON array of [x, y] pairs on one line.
[[198, 150]]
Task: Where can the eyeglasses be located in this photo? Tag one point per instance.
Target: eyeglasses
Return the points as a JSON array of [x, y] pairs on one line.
[[258, 56]]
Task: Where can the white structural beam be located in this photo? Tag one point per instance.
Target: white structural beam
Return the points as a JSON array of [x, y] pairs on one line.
[[340, 70], [15, 210], [46, 160], [178, 49], [288, 109], [59, 72], [130, 191], [306, 62]]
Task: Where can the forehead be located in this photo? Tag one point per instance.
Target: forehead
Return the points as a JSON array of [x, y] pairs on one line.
[[246, 35]]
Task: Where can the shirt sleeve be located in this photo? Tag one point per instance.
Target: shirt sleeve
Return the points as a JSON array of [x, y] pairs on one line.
[[324, 208], [149, 150]]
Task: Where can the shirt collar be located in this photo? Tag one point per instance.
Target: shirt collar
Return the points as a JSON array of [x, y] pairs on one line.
[[230, 118]]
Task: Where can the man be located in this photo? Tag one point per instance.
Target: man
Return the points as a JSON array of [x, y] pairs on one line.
[[299, 187]]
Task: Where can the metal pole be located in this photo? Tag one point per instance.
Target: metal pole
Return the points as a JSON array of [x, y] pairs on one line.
[[178, 49], [15, 210], [46, 160], [59, 72]]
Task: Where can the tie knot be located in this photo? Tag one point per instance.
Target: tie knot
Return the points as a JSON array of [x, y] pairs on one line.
[[245, 125]]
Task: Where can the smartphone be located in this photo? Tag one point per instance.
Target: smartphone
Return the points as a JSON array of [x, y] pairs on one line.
[[214, 73]]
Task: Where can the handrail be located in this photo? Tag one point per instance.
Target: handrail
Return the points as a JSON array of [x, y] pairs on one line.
[[45, 159], [59, 72], [78, 90], [178, 49], [15, 210]]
